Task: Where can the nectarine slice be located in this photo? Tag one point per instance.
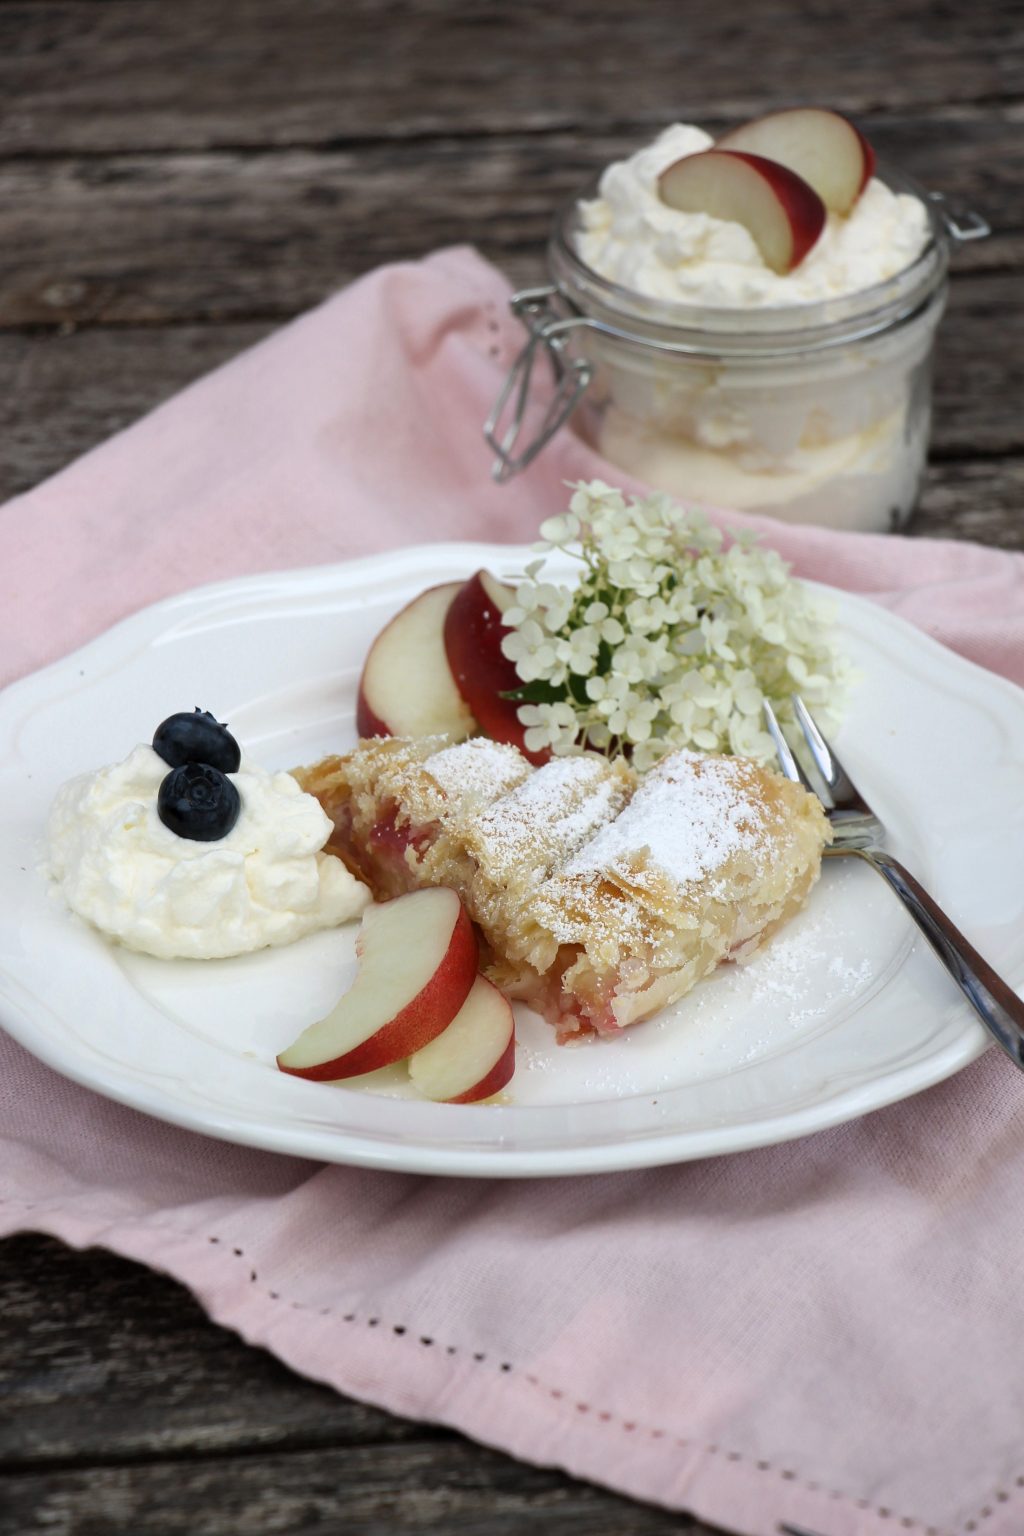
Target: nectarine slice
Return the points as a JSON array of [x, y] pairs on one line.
[[407, 688], [475, 1056], [417, 963], [822, 146], [782, 213], [473, 632]]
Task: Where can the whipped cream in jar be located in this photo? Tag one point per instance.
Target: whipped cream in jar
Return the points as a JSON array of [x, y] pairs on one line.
[[698, 369]]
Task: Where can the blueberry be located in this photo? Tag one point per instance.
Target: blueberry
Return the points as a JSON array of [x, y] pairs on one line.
[[198, 802], [197, 738]]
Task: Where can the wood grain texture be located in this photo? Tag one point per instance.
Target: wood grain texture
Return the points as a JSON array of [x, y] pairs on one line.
[[95, 76], [125, 1367], [979, 368], [175, 180], [137, 1416], [971, 500], [156, 239], [444, 1487], [73, 389], [69, 391]]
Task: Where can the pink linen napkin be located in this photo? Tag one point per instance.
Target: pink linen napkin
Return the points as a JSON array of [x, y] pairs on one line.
[[825, 1333]]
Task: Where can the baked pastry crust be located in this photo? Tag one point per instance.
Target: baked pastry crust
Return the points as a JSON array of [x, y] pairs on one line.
[[400, 807], [601, 898], [710, 858]]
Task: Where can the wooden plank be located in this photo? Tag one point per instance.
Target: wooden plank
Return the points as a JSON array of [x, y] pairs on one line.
[[101, 1359], [150, 239], [98, 76], [120, 1406], [68, 392], [445, 1487], [979, 368], [981, 501]]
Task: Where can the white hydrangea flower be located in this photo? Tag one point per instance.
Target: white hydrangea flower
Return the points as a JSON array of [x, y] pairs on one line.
[[549, 725], [673, 637], [561, 529], [533, 653], [607, 693], [579, 650], [640, 719]]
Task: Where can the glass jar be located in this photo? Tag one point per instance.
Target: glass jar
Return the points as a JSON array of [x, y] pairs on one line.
[[815, 413]]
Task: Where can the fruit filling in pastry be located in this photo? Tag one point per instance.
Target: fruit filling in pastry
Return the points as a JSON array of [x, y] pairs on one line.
[[600, 898], [399, 807], [476, 816]]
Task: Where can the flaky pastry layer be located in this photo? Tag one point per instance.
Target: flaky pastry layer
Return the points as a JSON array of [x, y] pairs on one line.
[[601, 898]]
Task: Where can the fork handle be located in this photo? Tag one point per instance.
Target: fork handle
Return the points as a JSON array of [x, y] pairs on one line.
[[996, 1004]]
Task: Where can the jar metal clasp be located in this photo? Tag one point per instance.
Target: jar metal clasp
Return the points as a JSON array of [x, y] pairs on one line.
[[961, 224], [549, 329]]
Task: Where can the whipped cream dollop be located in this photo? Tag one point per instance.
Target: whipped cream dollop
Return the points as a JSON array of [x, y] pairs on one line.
[[266, 882], [631, 237]]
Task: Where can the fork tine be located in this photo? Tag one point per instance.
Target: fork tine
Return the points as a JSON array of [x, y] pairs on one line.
[[840, 786], [790, 767]]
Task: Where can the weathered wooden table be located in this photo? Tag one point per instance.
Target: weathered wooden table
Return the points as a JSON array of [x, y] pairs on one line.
[[176, 180]]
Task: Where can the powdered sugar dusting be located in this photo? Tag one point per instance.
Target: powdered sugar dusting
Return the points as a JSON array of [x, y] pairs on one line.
[[810, 981], [560, 777], [691, 813], [479, 769], [554, 811]]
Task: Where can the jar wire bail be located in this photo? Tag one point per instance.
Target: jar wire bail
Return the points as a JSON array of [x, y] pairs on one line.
[[548, 330]]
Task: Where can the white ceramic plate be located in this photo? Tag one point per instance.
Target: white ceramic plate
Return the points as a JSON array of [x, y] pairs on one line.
[[845, 1011]]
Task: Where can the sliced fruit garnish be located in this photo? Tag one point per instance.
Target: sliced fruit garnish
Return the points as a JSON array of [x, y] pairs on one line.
[[782, 213], [417, 963], [475, 1056], [822, 146], [473, 632], [407, 688]]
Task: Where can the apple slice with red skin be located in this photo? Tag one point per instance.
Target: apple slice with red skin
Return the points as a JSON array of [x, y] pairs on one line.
[[823, 147], [407, 688], [473, 632], [475, 1056], [417, 964], [782, 213]]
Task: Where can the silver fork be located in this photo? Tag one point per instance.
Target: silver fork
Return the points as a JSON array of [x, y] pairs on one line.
[[858, 831]]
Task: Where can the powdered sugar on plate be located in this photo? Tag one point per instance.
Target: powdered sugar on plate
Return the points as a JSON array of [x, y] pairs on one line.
[[803, 982]]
